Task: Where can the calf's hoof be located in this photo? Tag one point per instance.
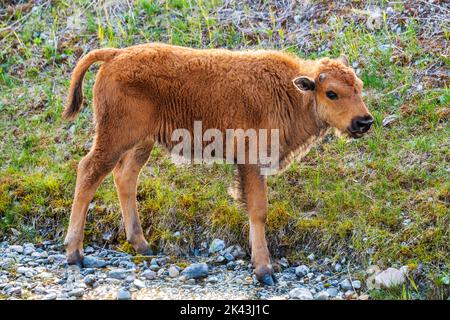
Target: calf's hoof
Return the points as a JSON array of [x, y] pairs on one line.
[[75, 258], [144, 250], [265, 276]]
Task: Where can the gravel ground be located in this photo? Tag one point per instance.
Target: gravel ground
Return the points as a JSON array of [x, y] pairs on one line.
[[31, 271]]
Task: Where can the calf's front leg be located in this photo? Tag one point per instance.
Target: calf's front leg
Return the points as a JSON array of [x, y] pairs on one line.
[[254, 194]]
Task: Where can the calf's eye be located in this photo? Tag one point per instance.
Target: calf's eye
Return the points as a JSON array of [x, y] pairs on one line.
[[331, 95]]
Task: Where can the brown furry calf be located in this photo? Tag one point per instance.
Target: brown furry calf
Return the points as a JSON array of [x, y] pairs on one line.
[[143, 93]]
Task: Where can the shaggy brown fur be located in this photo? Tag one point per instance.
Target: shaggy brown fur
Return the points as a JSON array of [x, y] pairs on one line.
[[143, 93]]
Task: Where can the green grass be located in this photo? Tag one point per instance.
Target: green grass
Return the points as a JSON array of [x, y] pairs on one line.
[[351, 197]]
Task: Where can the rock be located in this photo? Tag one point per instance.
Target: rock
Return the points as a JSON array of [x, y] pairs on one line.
[[346, 285], [364, 297], [323, 295], [301, 294], [89, 280], [50, 296], [28, 250], [123, 294], [284, 263], [216, 246], [349, 294], [118, 274], [212, 279], [23, 270], [332, 292], [89, 250], [195, 270], [78, 292], [220, 260], [228, 256], [337, 267], [231, 265], [311, 257], [374, 19], [92, 262], [16, 291], [149, 274], [357, 284], [301, 271], [139, 284], [130, 278], [236, 251], [390, 119], [174, 271], [389, 278], [16, 248]]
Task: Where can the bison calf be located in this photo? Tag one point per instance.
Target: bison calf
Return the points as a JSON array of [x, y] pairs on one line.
[[145, 92]]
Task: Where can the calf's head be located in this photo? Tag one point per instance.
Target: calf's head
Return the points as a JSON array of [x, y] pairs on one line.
[[337, 91]]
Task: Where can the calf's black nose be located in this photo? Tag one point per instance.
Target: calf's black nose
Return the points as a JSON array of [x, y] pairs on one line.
[[362, 124]]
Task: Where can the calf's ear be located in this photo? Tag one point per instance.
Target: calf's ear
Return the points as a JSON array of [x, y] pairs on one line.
[[343, 59], [304, 83]]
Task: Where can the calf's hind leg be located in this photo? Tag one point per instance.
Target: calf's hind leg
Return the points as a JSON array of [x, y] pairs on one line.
[[126, 174], [92, 169], [254, 188]]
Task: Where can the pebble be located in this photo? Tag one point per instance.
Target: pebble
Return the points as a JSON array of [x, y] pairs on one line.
[[123, 294], [338, 267], [301, 294], [118, 274], [390, 278], [311, 257], [323, 295], [139, 283], [195, 270], [50, 296], [89, 280], [301, 271], [346, 285], [92, 262], [216, 246], [16, 248], [332, 292], [174, 271], [149, 274], [78, 292]]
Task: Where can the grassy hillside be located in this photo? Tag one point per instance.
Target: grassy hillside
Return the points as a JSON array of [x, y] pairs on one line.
[[383, 199]]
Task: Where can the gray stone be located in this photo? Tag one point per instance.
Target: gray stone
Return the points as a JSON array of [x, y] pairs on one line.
[[149, 274], [284, 263], [195, 270], [123, 294], [174, 271], [323, 295], [92, 262], [231, 265], [16, 248], [390, 278], [78, 292], [357, 284], [301, 271], [228, 256], [221, 259], [311, 257], [216, 246], [139, 284], [301, 294], [337, 267], [89, 280], [50, 296], [332, 292], [118, 274], [346, 285]]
